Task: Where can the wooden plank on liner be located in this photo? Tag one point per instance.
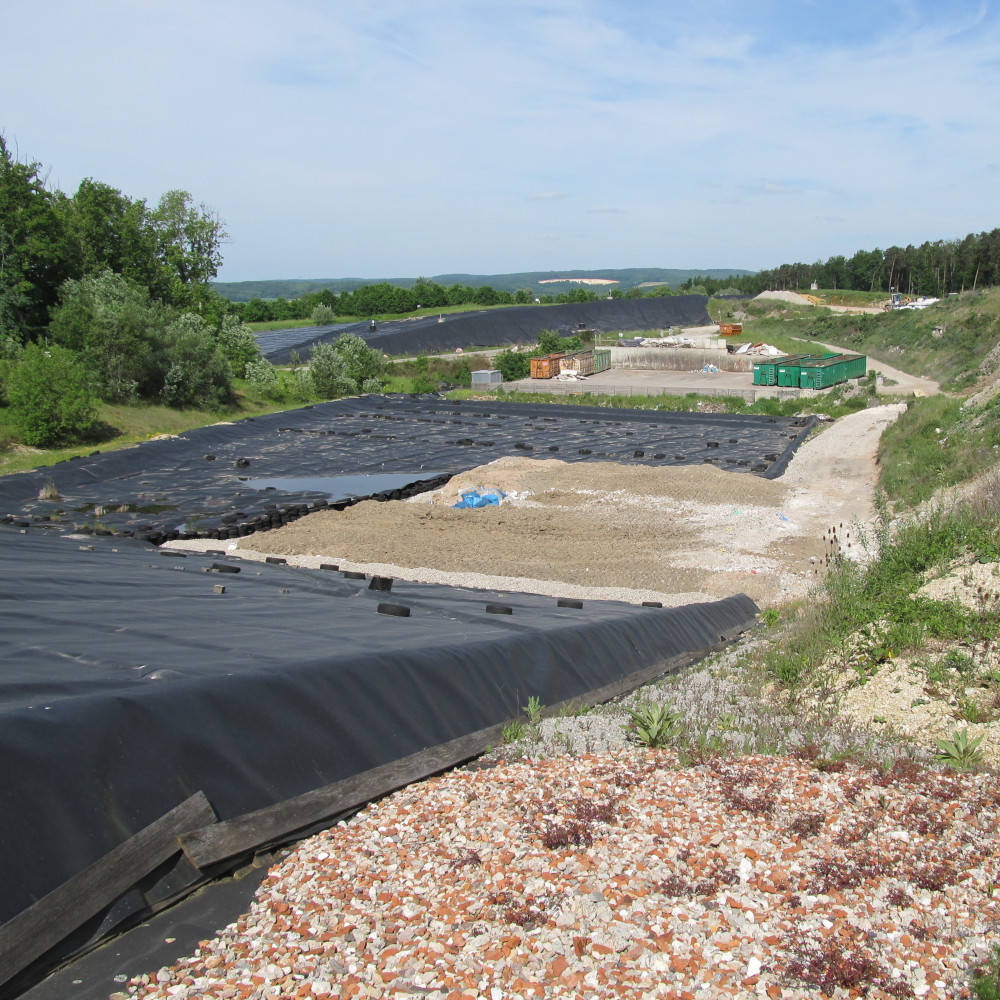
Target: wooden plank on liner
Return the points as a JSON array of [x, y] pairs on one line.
[[56, 915], [277, 822]]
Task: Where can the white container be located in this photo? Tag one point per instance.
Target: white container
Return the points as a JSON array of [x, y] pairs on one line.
[[486, 378]]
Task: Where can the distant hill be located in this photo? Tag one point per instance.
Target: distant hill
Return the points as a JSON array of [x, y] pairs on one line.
[[539, 282]]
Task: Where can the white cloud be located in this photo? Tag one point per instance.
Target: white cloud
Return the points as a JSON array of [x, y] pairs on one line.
[[390, 138]]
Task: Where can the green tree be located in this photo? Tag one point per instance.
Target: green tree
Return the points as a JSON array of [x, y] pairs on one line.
[[108, 231], [50, 397], [34, 252], [189, 241], [118, 331], [198, 373]]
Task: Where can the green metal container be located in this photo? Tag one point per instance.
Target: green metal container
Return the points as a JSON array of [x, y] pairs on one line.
[[857, 365], [821, 373], [788, 372], [765, 373], [602, 359]]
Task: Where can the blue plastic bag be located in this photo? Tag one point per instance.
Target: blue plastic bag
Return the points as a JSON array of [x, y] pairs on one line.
[[473, 498]]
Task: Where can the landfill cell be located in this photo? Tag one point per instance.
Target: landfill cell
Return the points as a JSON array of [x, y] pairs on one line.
[[494, 327], [201, 484]]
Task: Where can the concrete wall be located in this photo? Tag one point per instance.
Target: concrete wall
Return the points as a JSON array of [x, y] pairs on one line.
[[679, 359]]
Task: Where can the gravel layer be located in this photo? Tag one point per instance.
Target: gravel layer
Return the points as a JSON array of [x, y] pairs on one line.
[[627, 875]]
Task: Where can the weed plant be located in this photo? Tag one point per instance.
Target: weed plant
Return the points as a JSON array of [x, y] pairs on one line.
[[882, 593]]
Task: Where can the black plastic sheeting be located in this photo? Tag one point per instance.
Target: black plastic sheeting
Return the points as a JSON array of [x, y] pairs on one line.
[[495, 327], [127, 684], [198, 485]]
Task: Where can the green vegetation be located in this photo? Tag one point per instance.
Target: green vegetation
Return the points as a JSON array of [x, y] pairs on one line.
[[870, 613], [835, 402], [934, 268], [527, 281], [947, 341], [105, 302], [346, 366], [51, 402], [425, 374], [962, 751], [986, 982], [654, 726], [937, 442]]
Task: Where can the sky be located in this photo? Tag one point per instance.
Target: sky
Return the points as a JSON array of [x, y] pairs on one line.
[[388, 138]]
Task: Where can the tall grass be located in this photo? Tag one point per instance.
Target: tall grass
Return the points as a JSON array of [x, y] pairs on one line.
[[882, 590], [937, 442]]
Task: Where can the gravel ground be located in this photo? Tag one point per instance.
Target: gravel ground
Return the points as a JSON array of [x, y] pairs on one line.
[[626, 875], [574, 864]]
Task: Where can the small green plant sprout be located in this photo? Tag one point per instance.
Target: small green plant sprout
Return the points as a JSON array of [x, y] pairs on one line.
[[970, 710], [961, 752], [513, 731], [654, 726], [533, 710], [769, 617]]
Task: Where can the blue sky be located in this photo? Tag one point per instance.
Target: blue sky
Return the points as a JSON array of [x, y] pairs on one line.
[[369, 138]]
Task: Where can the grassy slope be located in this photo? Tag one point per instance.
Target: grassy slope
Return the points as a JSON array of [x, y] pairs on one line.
[[125, 426], [903, 338]]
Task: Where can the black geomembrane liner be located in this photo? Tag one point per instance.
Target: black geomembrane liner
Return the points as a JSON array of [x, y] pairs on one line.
[[127, 684], [198, 485]]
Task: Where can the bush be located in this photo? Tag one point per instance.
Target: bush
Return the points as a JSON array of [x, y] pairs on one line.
[[198, 372], [11, 351], [238, 345], [323, 315], [263, 376], [549, 342], [50, 396], [372, 385], [512, 365], [117, 332], [339, 368]]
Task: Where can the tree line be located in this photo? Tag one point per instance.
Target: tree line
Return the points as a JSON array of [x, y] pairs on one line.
[[106, 298], [383, 298], [934, 268]]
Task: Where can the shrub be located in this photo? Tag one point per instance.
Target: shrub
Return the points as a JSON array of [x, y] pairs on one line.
[[238, 345], [322, 315], [372, 385], [51, 397], [263, 376], [338, 368], [512, 365], [118, 333], [11, 352], [198, 372]]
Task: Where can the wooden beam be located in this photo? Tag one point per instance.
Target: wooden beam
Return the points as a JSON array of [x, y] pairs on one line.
[[278, 822], [272, 823], [45, 923]]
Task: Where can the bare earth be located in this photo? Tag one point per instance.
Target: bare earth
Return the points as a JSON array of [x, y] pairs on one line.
[[608, 531]]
